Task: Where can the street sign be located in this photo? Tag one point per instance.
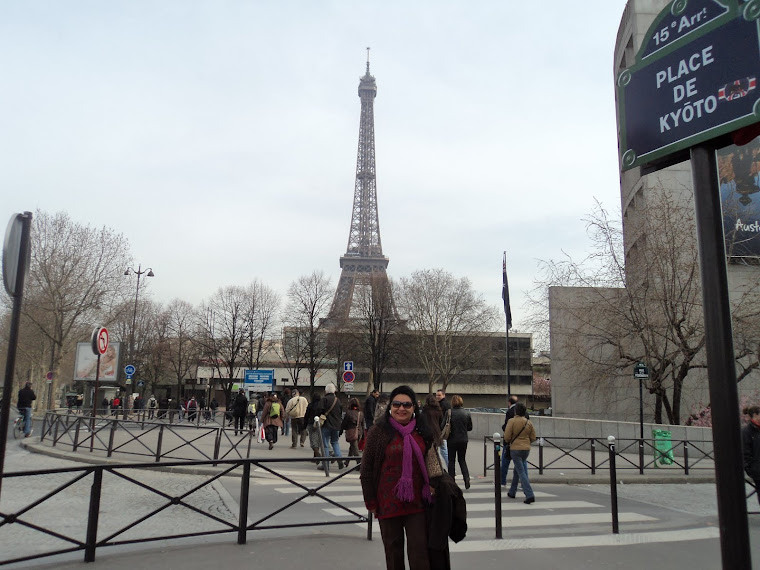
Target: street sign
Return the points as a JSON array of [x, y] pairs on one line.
[[140, 383], [49, 375], [99, 341], [12, 252], [129, 370], [348, 377], [348, 366], [259, 380], [348, 387], [641, 371], [694, 79]]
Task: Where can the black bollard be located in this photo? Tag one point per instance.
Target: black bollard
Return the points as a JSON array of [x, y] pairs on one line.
[[613, 485], [497, 481]]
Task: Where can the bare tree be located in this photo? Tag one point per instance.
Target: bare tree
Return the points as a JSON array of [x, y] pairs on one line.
[[75, 279], [223, 332], [177, 324], [263, 303], [377, 327], [653, 316], [446, 316], [304, 338]]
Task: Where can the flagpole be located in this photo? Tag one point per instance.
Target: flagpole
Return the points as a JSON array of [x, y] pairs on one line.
[[508, 319]]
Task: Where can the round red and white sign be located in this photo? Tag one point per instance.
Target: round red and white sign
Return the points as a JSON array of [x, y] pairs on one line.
[[100, 340]]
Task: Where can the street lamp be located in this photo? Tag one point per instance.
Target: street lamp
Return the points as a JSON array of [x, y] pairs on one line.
[[139, 272]]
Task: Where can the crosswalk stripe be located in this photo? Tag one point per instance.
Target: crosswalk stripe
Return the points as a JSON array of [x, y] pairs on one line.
[[623, 539], [326, 491], [538, 505], [563, 519]]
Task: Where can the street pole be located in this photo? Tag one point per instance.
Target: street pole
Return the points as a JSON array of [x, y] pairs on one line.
[[139, 272]]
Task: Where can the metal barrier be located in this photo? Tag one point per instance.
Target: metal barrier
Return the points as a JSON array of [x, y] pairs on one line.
[[98, 524], [566, 455]]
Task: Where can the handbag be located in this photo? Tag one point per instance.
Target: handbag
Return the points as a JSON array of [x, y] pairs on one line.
[[362, 442], [323, 417], [446, 431]]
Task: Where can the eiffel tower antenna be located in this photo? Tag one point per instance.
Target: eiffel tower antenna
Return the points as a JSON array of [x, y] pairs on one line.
[[363, 263]]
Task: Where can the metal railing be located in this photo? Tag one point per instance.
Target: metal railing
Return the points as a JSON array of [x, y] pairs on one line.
[[102, 531], [572, 454]]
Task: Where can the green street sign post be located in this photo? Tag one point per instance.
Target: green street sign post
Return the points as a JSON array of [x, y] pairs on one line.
[[692, 86]]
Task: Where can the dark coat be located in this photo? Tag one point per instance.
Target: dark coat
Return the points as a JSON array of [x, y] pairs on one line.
[[240, 406], [335, 417], [25, 397], [751, 449], [447, 518], [369, 411], [461, 423]]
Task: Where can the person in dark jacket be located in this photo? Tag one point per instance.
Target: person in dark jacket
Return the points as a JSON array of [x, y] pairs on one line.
[[353, 426], [395, 480], [505, 457], [369, 408], [440, 395], [331, 408], [25, 398], [239, 410], [315, 433], [751, 446], [461, 423]]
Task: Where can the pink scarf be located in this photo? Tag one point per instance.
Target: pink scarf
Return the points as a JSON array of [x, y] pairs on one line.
[[405, 487]]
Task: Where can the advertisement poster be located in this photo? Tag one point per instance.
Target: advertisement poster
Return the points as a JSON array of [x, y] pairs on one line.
[[86, 362], [740, 198]]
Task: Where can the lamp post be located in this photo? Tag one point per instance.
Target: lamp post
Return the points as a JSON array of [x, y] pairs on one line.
[[139, 272]]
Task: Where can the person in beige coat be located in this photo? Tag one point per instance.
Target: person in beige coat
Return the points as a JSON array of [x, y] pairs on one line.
[[520, 433], [296, 410]]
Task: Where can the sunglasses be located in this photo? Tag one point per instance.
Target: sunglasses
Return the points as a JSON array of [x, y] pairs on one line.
[[397, 404]]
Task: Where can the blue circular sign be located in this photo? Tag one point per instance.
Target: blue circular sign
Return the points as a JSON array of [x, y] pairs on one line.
[[129, 369]]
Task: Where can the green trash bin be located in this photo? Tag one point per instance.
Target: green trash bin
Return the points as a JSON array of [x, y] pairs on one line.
[[663, 447]]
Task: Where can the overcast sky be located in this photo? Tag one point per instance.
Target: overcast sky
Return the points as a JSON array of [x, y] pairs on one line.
[[220, 136]]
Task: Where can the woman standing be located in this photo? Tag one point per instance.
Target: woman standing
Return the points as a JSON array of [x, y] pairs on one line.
[[395, 480], [353, 427], [520, 434], [751, 446], [271, 418], [460, 424]]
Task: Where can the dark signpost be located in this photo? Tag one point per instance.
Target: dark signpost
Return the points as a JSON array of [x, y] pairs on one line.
[[16, 249], [694, 82]]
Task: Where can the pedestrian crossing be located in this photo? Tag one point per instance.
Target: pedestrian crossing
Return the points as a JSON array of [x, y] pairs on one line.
[[562, 521]]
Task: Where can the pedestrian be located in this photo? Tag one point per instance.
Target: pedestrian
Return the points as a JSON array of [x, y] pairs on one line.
[[80, 400], [192, 409], [369, 408], [104, 406], [505, 457], [284, 399], [333, 412], [520, 433], [296, 412], [461, 423], [395, 481], [24, 404], [152, 405], [213, 405], [181, 407], [251, 414], [433, 415], [272, 419], [312, 428], [353, 426], [380, 407], [751, 446], [239, 409], [440, 395]]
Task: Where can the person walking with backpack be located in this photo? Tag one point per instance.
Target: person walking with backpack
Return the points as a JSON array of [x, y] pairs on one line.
[[296, 411], [520, 433], [152, 405], [272, 419]]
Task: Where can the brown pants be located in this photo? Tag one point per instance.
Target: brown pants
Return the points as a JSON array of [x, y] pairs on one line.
[[392, 531]]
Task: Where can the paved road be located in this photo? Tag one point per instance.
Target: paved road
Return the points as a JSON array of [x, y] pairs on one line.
[[672, 526]]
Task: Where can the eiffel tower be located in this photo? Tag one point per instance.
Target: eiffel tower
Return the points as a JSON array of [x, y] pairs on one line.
[[364, 264]]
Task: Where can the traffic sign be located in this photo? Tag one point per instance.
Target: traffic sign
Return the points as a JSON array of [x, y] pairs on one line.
[[348, 387], [99, 341], [49, 375], [140, 383], [348, 366], [694, 79], [129, 370], [348, 377], [640, 371]]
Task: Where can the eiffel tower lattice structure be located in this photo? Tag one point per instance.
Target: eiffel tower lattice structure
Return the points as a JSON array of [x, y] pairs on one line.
[[364, 264]]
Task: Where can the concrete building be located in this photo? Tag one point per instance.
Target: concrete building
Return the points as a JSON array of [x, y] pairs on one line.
[[576, 344]]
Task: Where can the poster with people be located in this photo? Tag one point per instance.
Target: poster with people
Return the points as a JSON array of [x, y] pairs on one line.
[[739, 177], [86, 362]]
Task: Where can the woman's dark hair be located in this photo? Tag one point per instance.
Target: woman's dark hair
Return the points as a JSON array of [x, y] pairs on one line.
[[432, 401], [315, 397], [520, 409], [422, 426], [433, 416], [353, 404], [752, 410]]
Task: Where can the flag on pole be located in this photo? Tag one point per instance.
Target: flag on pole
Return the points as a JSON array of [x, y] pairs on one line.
[[505, 294]]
